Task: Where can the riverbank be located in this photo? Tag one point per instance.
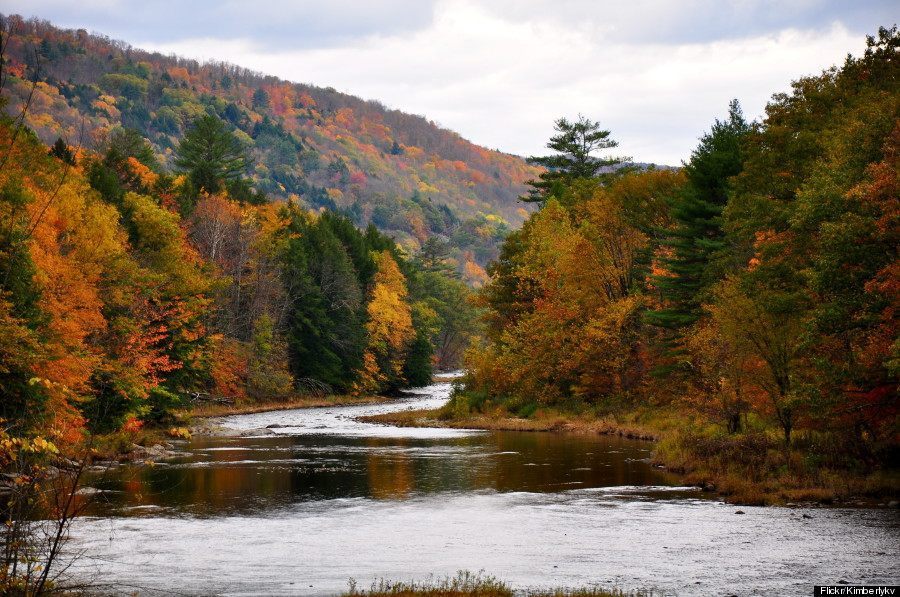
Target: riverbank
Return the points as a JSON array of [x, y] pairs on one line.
[[554, 422], [202, 417], [153, 443], [249, 408], [746, 469]]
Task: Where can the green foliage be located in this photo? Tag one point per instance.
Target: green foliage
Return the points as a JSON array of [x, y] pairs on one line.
[[452, 317], [697, 234], [61, 150], [124, 143], [129, 86], [417, 366], [267, 375], [20, 314], [110, 402], [210, 155], [260, 98], [160, 406], [325, 325]]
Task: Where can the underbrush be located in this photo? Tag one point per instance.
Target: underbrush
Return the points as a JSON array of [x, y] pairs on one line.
[[113, 446]]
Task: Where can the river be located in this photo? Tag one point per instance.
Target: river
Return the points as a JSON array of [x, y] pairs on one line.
[[298, 502]]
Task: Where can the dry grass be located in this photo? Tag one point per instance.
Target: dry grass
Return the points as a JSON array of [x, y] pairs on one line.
[[478, 585]]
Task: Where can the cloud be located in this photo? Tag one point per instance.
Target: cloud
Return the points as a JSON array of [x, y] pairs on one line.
[[499, 72], [271, 24], [696, 21]]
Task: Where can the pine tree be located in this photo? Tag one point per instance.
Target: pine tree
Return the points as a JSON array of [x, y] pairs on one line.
[[61, 150], [697, 212], [575, 144], [325, 333], [260, 99], [210, 155]]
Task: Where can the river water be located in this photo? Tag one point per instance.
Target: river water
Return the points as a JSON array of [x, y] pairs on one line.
[[299, 502]]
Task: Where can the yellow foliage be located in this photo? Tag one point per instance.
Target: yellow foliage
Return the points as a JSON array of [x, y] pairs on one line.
[[389, 327]]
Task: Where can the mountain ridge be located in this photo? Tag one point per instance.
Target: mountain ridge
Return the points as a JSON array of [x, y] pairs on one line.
[[328, 149]]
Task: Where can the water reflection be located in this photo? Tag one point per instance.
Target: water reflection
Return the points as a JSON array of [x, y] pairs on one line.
[[244, 475]]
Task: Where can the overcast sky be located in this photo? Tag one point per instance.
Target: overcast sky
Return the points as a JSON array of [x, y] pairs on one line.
[[656, 73]]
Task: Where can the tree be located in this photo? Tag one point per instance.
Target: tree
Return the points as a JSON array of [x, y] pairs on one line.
[[765, 325], [418, 365], [389, 329], [697, 235], [451, 300], [575, 144], [267, 375], [210, 155], [61, 150], [260, 99], [20, 351], [125, 143], [434, 255], [323, 322]]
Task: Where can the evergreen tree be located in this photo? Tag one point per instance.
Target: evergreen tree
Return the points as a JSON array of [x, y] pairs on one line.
[[61, 150], [575, 145], [697, 234], [21, 401], [260, 99], [417, 367], [210, 155], [127, 143], [325, 332], [434, 256]]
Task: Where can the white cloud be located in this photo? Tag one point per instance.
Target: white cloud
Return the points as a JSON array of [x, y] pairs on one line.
[[501, 81]]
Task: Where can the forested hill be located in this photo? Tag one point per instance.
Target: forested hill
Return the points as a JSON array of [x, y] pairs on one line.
[[401, 172]]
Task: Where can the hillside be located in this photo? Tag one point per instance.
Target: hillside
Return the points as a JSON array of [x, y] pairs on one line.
[[401, 172]]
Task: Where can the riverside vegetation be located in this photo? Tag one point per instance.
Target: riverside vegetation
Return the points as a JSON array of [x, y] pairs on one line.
[[742, 309]]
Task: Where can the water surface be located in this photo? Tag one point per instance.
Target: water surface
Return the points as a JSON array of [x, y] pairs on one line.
[[304, 500]]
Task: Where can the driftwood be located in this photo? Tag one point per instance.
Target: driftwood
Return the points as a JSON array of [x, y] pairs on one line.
[[207, 397], [308, 386]]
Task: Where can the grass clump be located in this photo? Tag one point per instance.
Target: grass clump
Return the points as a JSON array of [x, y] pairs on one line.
[[474, 584], [464, 583]]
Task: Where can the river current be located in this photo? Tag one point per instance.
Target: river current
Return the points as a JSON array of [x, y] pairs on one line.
[[298, 502]]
